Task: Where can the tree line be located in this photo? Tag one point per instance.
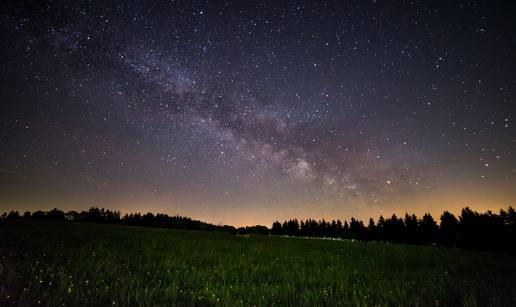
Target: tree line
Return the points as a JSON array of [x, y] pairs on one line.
[[487, 231], [106, 216]]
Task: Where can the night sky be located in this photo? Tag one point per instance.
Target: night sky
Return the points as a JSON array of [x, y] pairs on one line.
[[245, 112]]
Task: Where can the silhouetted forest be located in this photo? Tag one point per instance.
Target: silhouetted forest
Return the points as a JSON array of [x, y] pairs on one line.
[[470, 230], [487, 231], [106, 216]]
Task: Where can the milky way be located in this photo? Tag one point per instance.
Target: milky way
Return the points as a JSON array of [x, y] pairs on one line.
[[245, 112]]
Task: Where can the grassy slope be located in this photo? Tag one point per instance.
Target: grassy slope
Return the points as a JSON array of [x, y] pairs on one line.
[[88, 264]]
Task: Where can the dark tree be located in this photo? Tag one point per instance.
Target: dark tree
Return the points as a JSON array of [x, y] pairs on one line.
[[449, 234], [428, 229], [13, 215], [55, 214], [276, 228], [412, 231], [38, 214]]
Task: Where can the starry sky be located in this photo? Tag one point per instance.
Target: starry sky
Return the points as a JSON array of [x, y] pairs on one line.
[[244, 112]]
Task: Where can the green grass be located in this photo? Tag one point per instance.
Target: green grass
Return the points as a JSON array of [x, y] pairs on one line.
[[59, 263]]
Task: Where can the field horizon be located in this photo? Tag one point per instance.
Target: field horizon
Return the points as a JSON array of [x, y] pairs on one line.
[[87, 264]]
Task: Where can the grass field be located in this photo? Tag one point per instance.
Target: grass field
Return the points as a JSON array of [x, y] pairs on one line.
[[60, 263]]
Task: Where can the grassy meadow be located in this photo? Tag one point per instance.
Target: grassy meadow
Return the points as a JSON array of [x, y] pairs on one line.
[[62, 263]]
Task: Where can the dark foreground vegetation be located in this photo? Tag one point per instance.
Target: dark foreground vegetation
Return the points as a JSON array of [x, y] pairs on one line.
[[61, 263], [487, 231]]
